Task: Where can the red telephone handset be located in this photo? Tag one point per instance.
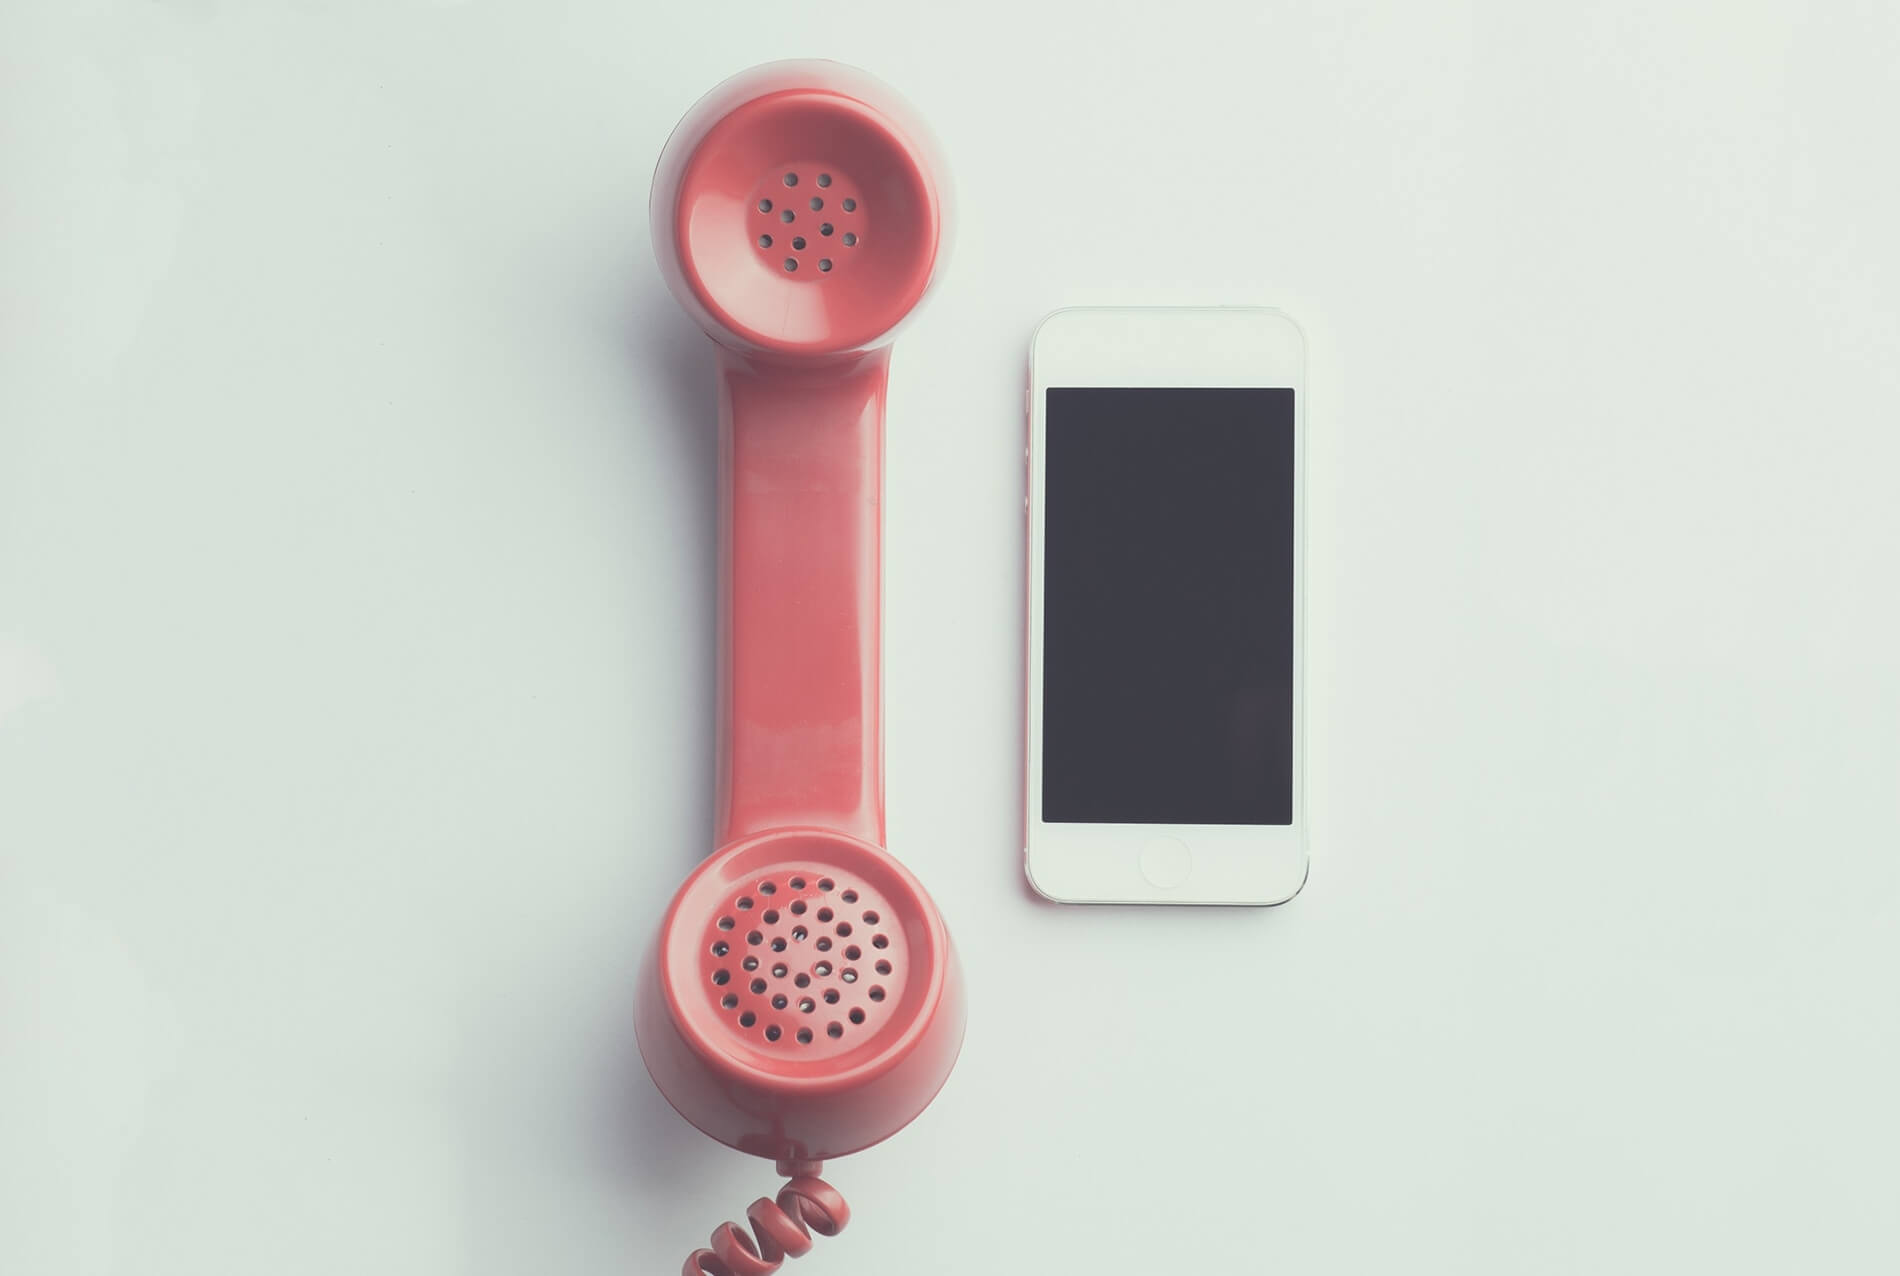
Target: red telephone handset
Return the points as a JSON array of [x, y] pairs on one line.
[[802, 999]]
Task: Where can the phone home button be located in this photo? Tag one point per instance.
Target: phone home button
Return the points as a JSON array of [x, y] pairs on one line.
[[1165, 862]]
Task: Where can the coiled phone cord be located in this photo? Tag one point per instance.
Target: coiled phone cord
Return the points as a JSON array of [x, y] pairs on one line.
[[782, 1227]]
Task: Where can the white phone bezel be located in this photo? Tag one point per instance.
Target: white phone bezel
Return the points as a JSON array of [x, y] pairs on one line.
[[1144, 863]]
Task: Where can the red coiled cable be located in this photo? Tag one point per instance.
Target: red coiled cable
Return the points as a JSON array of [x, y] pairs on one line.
[[783, 1227]]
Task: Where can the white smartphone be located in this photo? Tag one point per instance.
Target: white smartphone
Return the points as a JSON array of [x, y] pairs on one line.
[[1164, 739]]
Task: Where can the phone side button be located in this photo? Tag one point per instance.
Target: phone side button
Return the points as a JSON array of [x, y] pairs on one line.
[[1166, 862]]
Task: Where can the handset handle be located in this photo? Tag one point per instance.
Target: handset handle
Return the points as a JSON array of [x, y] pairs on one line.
[[800, 735]]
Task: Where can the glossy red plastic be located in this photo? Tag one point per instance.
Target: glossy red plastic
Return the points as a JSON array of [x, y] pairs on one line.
[[734, 194], [800, 493], [802, 999]]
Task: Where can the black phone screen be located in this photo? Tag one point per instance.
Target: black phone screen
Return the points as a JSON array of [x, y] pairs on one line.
[[1168, 606]]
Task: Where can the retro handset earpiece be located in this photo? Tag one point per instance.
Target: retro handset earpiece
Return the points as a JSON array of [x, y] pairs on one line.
[[802, 999]]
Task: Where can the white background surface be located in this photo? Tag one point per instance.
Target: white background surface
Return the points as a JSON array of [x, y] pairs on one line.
[[354, 626]]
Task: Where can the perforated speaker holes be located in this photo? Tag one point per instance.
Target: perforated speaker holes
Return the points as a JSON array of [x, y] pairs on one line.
[[829, 968], [784, 219]]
